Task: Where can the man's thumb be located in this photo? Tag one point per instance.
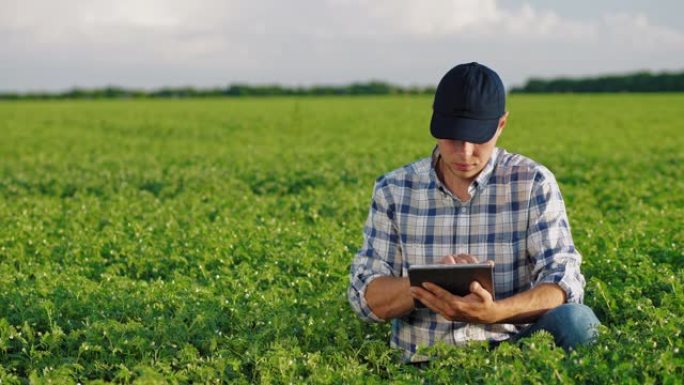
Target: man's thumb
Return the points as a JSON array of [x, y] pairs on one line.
[[477, 289]]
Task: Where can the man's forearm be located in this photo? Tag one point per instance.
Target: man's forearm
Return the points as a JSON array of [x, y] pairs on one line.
[[529, 305], [389, 297]]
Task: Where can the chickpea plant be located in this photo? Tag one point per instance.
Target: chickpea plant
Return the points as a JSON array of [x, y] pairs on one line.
[[209, 241]]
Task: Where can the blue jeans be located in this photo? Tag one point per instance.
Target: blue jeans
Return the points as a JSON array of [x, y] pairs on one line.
[[570, 324]]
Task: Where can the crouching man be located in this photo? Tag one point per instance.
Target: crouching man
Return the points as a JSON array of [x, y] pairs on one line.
[[468, 202]]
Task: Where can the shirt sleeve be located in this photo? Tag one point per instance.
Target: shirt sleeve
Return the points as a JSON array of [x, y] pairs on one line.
[[379, 256], [549, 241]]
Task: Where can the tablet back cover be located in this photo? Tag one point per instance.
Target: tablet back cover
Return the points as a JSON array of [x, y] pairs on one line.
[[454, 278]]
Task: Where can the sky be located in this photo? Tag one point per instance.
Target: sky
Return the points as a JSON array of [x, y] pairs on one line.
[[48, 45]]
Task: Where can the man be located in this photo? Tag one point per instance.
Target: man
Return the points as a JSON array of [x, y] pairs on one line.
[[471, 202]]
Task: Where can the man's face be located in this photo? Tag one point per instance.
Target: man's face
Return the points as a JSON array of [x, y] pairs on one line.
[[463, 161]]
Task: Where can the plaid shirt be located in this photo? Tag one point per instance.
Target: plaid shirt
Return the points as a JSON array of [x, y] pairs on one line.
[[515, 217]]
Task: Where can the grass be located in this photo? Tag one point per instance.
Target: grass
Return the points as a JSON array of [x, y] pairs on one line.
[[208, 241]]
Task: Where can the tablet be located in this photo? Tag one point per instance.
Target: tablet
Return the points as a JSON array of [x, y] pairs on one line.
[[455, 278]]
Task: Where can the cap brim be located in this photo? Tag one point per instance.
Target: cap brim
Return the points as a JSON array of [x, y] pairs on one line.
[[459, 128]]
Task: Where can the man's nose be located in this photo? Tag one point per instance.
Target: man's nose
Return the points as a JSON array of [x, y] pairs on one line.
[[465, 148]]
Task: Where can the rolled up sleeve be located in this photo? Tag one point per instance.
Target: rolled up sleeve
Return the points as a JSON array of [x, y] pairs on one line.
[[379, 256], [549, 241]]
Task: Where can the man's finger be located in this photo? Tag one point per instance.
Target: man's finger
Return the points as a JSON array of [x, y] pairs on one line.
[[428, 299], [438, 291], [466, 258], [449, 260]]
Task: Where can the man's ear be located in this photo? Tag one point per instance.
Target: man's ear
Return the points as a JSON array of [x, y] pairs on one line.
[[502, 124], [503, 120]]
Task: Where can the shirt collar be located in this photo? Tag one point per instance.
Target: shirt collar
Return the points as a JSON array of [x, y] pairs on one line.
[[478, 183], [482, 179]]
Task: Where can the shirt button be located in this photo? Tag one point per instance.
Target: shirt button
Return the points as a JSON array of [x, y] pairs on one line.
[[463, 210]]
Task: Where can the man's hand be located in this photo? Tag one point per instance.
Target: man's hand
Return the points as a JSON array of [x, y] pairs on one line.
[[460, 258], [476, 307]]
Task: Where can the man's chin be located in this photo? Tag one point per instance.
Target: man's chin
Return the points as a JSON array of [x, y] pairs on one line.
[[469, 174]]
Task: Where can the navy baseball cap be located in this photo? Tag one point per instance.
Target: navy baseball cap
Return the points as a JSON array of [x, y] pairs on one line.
[[469, 101]]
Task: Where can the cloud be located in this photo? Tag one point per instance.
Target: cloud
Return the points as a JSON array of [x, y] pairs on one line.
[[151, 43], [638, 32]]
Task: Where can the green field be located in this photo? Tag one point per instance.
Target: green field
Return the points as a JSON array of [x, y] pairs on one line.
[[209, 241]]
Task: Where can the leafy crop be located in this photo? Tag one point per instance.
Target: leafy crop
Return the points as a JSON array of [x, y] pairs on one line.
[[208, 241]]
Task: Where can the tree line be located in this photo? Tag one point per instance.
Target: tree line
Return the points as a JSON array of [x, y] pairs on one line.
[[635, 82], [234, 90]]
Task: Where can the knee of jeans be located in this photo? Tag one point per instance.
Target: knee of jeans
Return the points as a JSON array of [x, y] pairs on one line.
[[580, 320]]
